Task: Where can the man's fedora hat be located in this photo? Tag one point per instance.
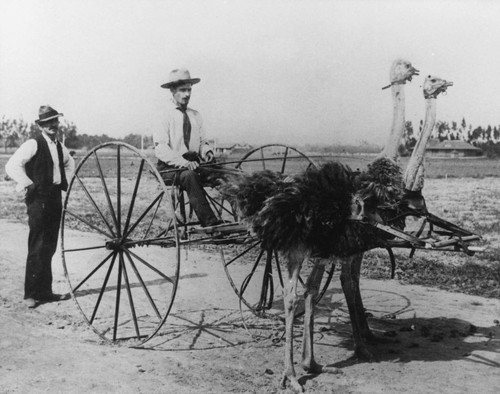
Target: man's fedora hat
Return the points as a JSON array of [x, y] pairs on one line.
[[46, 113], [179, 77]]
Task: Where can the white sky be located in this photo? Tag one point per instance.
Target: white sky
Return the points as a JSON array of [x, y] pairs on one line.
[[271, 71]]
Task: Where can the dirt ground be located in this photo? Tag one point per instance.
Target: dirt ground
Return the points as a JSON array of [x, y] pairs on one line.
[[444, 342]]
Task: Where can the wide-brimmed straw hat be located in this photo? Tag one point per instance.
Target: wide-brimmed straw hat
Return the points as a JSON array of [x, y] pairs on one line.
[[46, 113], [178, 77]]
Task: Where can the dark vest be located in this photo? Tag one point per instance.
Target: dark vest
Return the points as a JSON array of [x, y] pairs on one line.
[[41, 167]]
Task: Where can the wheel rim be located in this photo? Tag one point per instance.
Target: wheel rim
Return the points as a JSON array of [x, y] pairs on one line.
[[260, 285], [275, 157], [122, 266]]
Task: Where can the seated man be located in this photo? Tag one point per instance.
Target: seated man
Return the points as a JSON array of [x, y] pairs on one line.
[[181, 144]]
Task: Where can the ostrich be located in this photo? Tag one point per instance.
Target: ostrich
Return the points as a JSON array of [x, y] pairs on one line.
[[321, 213], [401, 71], [414, 174]]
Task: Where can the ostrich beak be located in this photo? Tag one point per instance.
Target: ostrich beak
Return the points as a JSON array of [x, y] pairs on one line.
[[413, 71], [442, 88], [446, 84]]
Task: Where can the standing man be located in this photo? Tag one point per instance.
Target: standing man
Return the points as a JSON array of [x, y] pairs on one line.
[[181, 144], [40, 167]]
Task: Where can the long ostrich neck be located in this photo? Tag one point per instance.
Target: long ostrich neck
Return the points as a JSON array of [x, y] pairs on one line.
[[398, 122], [414, 175]]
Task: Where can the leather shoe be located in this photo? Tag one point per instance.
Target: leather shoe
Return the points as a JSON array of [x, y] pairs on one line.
[[30, 302], [53, 297]]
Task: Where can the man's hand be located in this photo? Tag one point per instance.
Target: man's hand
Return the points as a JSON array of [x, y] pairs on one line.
[[191, 165], [29, 192]]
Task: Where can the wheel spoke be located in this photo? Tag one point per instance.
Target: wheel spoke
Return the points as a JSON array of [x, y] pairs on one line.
[[241, 254], [118, 190], [81, 249], [93, 271], [88, 223], [157, 201], [103, 288], [148, 241], [278, 269], [130, 298], [118, 293], [146, 291], [151, 267], [267, 284], [134, 194], [284, 161], [94, 204], [146, 233], [106, 191], [249, 276]]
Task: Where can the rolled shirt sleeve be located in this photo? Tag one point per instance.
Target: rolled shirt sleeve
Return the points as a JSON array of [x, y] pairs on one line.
[[15, 167], [69, 163]]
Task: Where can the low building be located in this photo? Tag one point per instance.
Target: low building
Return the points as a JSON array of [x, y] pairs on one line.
[[453, 148], [231, 149]]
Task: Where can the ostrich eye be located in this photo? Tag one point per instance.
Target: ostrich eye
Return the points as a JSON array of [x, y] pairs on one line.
[[433, 80]]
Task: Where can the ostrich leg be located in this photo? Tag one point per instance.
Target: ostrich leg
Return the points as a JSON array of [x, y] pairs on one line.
[[350, 285], [294, 262], [365, 331], [312, 290], [364, 328]]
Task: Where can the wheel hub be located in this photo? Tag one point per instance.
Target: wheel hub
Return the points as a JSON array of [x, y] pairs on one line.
[[115, 244]]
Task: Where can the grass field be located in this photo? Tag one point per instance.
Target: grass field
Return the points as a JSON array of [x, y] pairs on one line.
[[434, 168]]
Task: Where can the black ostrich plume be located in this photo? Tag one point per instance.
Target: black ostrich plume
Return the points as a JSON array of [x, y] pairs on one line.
[[313, 209]]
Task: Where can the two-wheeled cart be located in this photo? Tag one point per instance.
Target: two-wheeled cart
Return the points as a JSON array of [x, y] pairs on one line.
[[125, 233]]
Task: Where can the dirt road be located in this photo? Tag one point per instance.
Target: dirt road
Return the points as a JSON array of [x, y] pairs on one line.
[[445, 342]]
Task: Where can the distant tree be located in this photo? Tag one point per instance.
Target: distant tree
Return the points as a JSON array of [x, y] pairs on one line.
[[134, 140], [71, 139], [13, 132], [476, 135], [488, 134], [442, 130], [409, 140], [463, 125]]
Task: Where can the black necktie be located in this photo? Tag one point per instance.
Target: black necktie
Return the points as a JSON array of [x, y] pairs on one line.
[[186, 127], [64, 182]]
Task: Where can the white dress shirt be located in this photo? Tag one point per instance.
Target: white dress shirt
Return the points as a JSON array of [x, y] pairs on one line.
[[15, 167], [169, 140]]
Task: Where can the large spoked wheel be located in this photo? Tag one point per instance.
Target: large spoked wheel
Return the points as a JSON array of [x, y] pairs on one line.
[[120, 247], [257, 275]]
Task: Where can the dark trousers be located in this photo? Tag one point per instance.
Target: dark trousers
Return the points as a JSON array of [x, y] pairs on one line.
[[44, 215], [192, 182]]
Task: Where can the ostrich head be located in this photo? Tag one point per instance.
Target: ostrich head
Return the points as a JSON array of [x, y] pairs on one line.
[[435, 85], [401, 71]]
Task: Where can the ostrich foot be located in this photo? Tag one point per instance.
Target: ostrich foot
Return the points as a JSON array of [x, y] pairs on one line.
[[362, 353], [315, 368], [294, 383]]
